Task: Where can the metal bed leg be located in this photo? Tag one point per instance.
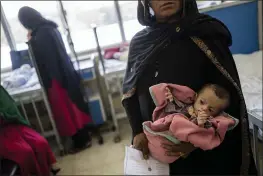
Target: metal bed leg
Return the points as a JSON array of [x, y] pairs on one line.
[[24, 111], [119, 84], [255, 148], [50, 115], [117, 137], [37, 115]]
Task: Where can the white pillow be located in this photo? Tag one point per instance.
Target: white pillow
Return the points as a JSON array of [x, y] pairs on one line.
[[249, 65]]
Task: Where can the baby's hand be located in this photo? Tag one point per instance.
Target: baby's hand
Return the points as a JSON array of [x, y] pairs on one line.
[[202, 118], [203, 114], [169, 95], [201, 121]]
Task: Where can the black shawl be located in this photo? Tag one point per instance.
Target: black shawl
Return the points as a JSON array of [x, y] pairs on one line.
[[208, 33]]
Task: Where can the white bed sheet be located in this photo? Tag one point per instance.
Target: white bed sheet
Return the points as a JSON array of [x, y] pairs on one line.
[[113, 66], [250, 72], [24, 90], [31, 89]]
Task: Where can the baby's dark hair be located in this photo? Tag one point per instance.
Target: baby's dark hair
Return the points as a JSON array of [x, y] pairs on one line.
[[219, 91]]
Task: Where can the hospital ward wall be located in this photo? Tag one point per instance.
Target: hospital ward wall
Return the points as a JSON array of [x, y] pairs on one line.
[[242, 19]]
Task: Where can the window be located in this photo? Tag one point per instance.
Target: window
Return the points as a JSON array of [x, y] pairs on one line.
[[224, 1], [129, 17], [47, 8], [5, 51], [204, 4], [82, 14]]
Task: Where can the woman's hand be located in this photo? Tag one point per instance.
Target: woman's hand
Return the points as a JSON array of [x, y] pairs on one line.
[[179, 150], [140, 142]]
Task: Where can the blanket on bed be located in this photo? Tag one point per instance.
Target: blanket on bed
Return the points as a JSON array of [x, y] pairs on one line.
[[175, 127]]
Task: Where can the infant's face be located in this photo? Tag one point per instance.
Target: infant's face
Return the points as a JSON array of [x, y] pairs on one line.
[[208, 102]]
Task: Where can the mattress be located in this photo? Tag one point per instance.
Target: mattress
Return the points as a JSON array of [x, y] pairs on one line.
[[113, 66], [249, 67], [22, 91]]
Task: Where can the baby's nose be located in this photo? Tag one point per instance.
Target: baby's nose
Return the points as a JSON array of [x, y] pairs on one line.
[[204, 108]]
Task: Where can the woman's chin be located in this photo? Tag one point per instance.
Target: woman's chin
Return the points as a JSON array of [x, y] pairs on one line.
[[167, 13]]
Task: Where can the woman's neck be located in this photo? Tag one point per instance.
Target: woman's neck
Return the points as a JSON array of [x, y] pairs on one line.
[[169, 20], [166, 20]]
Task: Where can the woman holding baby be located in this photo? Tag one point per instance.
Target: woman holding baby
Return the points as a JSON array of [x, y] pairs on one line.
[[181, 46]]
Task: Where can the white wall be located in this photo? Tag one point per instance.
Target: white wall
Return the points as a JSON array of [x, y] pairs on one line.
[[260, 14]]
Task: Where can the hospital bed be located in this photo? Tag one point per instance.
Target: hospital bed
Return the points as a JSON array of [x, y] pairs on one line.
[[28, 93], [32, 93], [249, 67], [250, 72], [113, 80]]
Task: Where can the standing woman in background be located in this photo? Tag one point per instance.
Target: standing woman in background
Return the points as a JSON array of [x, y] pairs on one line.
[[182, 46], [61, 81]]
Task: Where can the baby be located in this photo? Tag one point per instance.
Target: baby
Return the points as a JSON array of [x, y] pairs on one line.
[[181, 115], [210, 101]]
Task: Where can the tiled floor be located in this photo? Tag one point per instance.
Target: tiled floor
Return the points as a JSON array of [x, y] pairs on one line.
[[106, 159]]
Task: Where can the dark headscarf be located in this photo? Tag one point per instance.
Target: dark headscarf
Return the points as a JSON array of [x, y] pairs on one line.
[[9, 112], [189, 7], [32, 19], [154, 37]]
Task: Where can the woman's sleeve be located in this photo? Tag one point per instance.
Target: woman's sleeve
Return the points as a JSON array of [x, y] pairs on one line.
[[133, 111]]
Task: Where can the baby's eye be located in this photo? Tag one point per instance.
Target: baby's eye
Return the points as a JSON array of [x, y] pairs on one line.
[[202, 102], [210, 110]]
